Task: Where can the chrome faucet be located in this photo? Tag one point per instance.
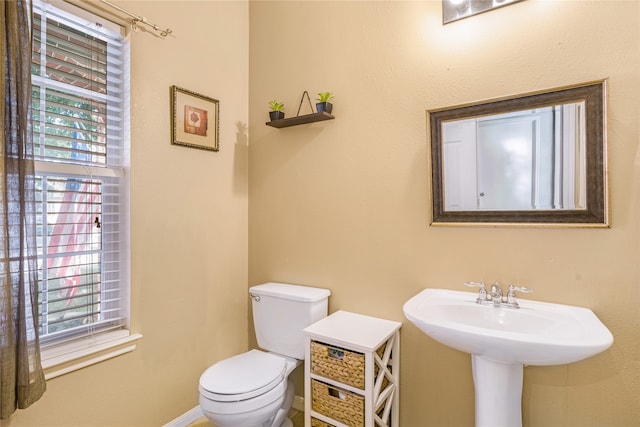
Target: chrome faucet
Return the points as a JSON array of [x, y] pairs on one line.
[[495, 296]]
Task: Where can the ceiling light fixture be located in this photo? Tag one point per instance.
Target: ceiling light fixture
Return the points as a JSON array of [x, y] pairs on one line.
[[453, 10]]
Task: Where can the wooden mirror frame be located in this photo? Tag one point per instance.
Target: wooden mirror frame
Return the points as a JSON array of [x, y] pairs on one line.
[[596, 212]]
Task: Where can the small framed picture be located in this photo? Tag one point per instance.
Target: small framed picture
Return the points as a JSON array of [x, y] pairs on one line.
[[194, 120]]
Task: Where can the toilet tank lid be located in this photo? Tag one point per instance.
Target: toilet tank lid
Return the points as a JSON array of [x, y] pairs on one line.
[[291, 292]]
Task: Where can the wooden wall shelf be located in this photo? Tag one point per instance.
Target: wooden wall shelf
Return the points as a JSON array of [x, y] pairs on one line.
[[300, 120]]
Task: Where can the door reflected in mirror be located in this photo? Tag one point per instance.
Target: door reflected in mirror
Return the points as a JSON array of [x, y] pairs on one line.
[[532, 159]]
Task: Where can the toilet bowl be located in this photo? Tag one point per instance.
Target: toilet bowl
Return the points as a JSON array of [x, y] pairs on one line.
[[252, 389], [248, 390]]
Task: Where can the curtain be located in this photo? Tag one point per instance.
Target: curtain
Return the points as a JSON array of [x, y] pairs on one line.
[[21, 378]]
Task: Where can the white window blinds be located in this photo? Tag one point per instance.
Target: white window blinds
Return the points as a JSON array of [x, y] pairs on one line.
[[80, 79]]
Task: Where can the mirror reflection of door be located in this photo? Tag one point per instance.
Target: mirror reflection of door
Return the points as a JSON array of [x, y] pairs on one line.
[[524, 160], [506, 149], [459, 162]]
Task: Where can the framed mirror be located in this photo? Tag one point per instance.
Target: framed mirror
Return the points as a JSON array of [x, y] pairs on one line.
[[537, 159]]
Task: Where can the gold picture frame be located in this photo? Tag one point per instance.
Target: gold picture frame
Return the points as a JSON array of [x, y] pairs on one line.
[[194, 120]]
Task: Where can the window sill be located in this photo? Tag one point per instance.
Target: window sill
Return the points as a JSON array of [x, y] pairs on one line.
[[65, 358]]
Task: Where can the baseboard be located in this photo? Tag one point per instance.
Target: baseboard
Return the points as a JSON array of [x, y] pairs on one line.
[[187, 418], [298, 403]]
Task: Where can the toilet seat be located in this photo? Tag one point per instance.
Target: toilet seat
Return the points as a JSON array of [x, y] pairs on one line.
[[243, 376]]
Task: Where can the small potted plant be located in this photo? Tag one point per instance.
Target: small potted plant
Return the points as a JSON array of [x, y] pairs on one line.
[[323, 102], [276, 112]]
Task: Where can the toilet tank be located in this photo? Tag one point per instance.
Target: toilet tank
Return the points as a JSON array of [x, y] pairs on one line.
[[280, 313]]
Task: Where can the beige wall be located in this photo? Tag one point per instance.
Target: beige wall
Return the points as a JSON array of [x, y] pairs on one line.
[[189, 228], [344, 204]]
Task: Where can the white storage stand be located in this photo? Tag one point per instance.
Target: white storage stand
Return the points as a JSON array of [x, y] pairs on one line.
[[352, 372]]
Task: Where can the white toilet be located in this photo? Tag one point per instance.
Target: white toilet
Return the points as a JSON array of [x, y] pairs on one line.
[[252, 389]]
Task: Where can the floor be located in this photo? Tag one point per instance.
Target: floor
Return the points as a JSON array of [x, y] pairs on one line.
[[296, 416]]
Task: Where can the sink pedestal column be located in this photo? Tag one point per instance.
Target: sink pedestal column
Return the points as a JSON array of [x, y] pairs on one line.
[[498, 389]]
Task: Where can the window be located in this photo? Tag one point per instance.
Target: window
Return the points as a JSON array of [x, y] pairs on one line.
[[80, 89]]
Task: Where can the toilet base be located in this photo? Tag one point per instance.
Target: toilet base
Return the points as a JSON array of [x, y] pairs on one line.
[[287, 423], [281, 418], [253, 418]]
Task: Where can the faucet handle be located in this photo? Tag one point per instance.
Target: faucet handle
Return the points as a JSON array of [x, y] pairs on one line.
[[511, 295], [513, 288], [475, 284], [482, 295]]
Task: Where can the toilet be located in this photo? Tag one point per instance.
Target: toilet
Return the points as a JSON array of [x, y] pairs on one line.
[[252, 389]]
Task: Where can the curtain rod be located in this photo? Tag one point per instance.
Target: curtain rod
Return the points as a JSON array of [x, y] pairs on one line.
[[135, 20]]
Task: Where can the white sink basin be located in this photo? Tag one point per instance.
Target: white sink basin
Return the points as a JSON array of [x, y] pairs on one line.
[[502, 340], [538, 333]]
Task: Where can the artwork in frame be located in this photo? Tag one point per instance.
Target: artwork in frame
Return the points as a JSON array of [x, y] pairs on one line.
[[194, 120]]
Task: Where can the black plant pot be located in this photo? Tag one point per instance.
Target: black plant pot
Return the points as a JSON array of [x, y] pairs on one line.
[[324, 106], [276, 115]]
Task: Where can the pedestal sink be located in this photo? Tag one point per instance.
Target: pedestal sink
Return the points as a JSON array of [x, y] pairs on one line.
[[502, 340]]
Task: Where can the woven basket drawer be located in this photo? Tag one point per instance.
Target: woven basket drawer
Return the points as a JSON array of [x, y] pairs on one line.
[[341, 405], [319, 423], [338, 364]]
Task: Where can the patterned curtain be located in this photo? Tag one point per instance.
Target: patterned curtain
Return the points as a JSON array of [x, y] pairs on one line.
[[21, 378]]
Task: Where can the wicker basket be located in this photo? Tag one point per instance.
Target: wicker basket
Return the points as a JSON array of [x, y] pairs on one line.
[[341, 405], [339, 364], [319, 423]]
